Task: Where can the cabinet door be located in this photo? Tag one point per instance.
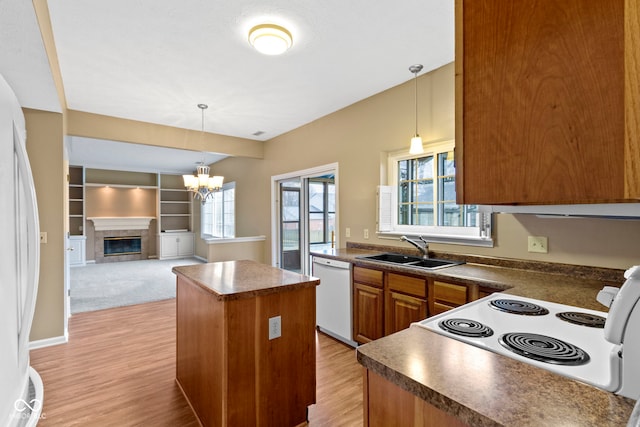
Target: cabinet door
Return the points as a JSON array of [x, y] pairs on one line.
[[168, 246], [403, 311], [537, 123], [367, 313], [185, 244], [386, 404]]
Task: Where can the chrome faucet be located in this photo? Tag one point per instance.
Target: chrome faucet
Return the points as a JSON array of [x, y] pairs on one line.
[[424, 247]]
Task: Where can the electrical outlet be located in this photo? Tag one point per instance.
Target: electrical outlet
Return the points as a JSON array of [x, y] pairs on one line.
[[537, 244], [366, 233], [275, 327], [347, 232], [43, 237]]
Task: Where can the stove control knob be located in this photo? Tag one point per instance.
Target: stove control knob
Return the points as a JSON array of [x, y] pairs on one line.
[[607, 295]]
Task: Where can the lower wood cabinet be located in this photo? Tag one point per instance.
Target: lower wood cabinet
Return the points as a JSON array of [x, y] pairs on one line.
[[403, 311], [406, 301], [386, 404], [368, 313], [368, 304], [386, 302]]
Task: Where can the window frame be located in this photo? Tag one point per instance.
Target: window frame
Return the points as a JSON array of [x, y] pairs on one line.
[[472, 236], [204, 212]]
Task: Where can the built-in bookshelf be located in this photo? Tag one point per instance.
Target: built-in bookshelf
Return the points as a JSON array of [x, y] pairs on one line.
[[76, 200], [175, 204], [176, 238]]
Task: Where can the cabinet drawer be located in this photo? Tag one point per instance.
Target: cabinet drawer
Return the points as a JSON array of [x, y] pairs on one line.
[[367, 275], [407, 284], [449, 294], [440, 308], [483, 292]]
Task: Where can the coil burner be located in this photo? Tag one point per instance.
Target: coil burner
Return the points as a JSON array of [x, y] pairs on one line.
[[583, 319], [518, 307], [544, 348], [466, 328]]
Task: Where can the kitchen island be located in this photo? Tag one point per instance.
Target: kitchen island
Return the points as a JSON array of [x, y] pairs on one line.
[[246, 343], [419, 377]]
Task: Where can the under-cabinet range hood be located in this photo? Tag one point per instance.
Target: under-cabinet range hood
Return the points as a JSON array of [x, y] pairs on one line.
[[605, 210]]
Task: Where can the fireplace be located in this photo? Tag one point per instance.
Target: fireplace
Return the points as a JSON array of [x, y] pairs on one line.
[[121, 238], [125, 245]]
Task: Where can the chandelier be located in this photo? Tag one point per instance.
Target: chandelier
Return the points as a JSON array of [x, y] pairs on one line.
[[201, 184]]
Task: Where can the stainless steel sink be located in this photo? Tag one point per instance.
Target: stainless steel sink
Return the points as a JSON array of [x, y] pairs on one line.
[[411, 261]]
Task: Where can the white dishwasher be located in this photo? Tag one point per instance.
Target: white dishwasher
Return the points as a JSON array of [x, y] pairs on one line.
[[333, 298]]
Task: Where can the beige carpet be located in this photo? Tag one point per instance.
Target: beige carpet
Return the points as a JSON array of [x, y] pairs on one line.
[[99, 286]]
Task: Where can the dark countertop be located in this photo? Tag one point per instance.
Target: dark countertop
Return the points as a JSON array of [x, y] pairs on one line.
[[480, 387], [230, 280]]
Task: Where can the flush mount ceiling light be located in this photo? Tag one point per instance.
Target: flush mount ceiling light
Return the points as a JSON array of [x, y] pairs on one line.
[[270, 39], [416, 141], [201, 184]]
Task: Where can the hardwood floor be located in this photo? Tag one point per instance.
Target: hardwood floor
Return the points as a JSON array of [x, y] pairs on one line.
[[118, 369]]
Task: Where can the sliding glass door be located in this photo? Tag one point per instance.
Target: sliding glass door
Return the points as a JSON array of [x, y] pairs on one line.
[[306, 217], [290, 225]]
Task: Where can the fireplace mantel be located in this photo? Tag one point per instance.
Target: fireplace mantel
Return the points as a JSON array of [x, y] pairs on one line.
[[108, 223]]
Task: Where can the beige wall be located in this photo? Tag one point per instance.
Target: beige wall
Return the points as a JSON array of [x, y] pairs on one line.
[[112, 201], [45, 148], [359, 135], [230, 251]]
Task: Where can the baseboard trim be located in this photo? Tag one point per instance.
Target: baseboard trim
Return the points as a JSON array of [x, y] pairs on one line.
[[48, 342], [200, 258]]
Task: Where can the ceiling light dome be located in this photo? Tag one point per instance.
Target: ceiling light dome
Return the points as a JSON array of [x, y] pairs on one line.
[[270, 39]]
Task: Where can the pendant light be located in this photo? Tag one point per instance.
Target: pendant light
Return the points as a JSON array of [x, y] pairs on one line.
[[201, 184], [416, 141]]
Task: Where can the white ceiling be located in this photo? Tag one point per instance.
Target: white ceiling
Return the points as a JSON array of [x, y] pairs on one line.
[[155, 60]]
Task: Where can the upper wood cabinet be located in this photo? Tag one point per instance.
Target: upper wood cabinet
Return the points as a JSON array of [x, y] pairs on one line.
[[547, 101]]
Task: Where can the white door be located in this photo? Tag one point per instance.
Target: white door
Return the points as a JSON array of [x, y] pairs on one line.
[[67, 280]]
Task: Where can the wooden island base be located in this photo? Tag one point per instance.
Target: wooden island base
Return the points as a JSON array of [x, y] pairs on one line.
[[229, 370]]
